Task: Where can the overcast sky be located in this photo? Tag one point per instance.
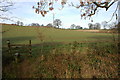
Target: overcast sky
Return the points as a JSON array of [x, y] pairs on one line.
[[68, 15]]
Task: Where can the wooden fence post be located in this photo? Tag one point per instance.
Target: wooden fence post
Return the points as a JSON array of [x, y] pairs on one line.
[[8, 43], [30, 50], [81, 44]]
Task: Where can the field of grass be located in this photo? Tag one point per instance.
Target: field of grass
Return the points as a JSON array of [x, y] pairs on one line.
[[19, 34], [62, 54]]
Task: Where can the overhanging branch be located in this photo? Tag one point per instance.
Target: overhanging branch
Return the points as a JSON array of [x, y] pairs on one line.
[[105, 6]]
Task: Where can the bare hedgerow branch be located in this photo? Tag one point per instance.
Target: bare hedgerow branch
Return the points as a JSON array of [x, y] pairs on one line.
[[5, 9], [5, 5]]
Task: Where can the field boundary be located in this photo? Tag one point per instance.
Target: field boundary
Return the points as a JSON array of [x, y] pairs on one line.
[[9, 45]]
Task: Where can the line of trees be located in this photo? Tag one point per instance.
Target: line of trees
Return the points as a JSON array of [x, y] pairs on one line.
[[73, 26], [105, 25], [34, 24], [94, 26], [56, 24], [111, 25], [19, 23]]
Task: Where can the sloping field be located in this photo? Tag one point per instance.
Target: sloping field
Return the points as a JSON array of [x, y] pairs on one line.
[[18, 34], [53, 60]]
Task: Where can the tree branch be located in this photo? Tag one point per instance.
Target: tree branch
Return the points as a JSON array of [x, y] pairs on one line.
[[7, 5], [113, 14], [94, 12], [105, 6]]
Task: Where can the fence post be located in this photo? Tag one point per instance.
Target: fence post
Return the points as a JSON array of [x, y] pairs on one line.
[[81, 44], [30, 50], [8, 43]]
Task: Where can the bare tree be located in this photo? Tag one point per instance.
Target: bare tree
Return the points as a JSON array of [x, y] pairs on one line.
[[73, 26], [97, 26], [104, 23], [18, 23], [90, 25], [78, 27], [49, 25], [112, 25], [34, 24], [57, 22], [21, 23], [5, 7]]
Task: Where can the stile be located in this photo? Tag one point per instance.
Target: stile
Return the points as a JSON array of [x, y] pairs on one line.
[[19, 45]]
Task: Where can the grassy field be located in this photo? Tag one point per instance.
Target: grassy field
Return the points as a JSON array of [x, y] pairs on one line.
[[19, 34], [62, 54]]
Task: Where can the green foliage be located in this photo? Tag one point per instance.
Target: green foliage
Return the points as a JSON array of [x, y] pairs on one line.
[[103, 49]]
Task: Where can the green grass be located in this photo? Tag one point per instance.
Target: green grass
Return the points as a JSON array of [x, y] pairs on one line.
[[64, 61], [54, 58], [21, 35]]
